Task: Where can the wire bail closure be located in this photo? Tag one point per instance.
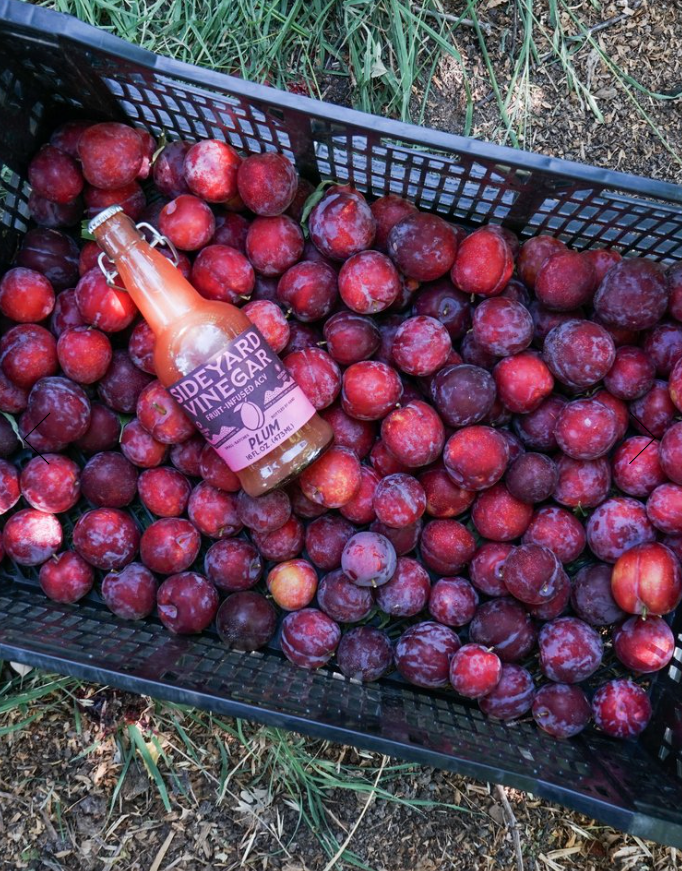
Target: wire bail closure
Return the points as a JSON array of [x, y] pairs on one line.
[[157, 240], [160, 239]]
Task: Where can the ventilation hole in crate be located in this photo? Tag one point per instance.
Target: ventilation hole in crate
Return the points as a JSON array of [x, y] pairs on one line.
[[115, 87], [207, 113], [169, 675], [134, 93], [14, 194], [133, 112], [266, 137], [675, 673]]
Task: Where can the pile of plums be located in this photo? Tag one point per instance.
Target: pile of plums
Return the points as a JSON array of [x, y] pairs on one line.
[[506, 477]]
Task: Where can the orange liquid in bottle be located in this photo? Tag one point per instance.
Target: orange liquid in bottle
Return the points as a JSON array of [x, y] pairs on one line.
[[217, 366]]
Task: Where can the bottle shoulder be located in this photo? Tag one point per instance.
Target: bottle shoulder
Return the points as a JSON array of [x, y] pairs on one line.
[[181, 347]]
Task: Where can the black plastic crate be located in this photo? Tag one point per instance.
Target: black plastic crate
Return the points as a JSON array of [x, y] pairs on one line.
[[53, 67]]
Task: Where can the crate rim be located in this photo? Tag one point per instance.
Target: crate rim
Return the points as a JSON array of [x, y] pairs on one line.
[[61, 24]]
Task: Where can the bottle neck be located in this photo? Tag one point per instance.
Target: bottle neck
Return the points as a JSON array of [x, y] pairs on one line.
[[156, 286]]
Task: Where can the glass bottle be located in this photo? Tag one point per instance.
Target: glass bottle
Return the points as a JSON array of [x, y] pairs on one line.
[[216, 365]]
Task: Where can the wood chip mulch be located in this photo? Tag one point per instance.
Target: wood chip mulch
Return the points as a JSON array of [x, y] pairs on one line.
[[58, 810]]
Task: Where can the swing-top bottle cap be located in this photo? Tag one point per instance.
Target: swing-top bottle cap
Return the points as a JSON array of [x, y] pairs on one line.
[[103, 216]]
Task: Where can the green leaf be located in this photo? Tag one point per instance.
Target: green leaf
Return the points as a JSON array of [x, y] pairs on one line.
[[124, 420], [18, 726], [85, 233], [378, 68], [128, 755], [15, 428], [314, 199], [384, 619], [147, 754], [163, 141]]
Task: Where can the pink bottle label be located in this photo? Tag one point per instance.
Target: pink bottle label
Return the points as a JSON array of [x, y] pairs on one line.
[[243, 401]]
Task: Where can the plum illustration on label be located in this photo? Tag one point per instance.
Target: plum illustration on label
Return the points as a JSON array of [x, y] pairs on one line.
[[252, 417], [243, 400]]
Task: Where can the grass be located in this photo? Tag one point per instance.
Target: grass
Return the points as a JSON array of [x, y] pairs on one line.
[[247, 766], [383, 56], [27, 700], [380, 48]]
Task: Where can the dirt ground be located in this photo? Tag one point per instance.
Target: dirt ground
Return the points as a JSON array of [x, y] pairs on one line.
[[641, 37], [65, 806]]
